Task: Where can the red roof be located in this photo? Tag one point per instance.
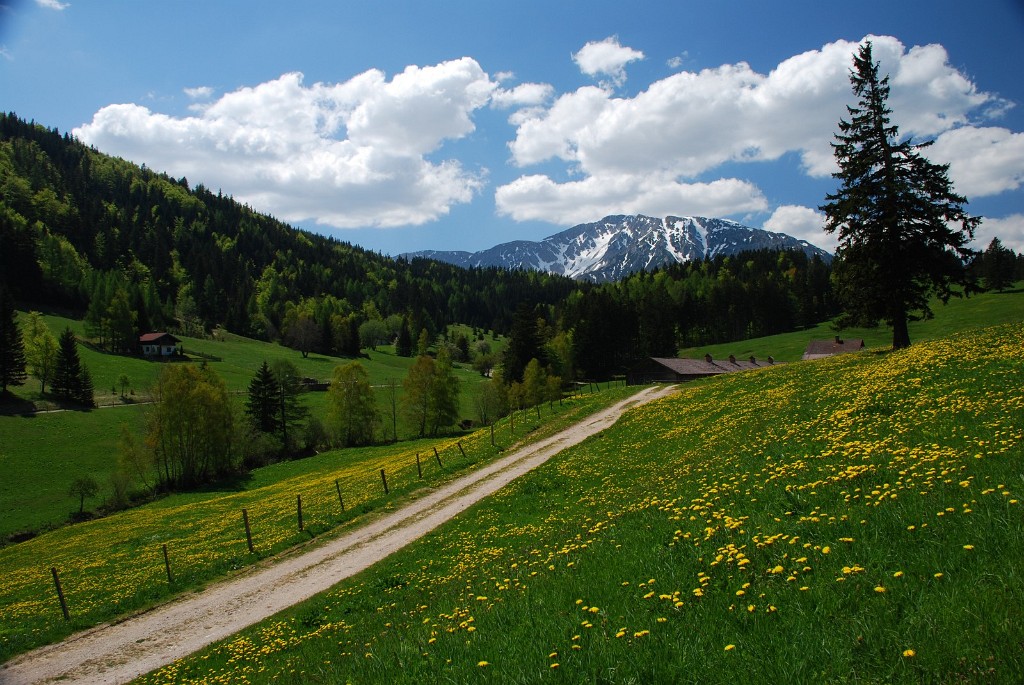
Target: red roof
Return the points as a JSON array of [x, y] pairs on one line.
[[151, 338]]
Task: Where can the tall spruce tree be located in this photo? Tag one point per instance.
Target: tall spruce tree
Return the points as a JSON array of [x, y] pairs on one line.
[[903, 232], [67, 375], [12, 347], [263, 403], [997, 266]]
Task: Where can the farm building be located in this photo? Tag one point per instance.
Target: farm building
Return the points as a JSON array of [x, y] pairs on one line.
[[158, 344], [816, 349], [676, 370]]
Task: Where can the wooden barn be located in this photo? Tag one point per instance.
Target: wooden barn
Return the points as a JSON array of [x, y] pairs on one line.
[[676, 370]]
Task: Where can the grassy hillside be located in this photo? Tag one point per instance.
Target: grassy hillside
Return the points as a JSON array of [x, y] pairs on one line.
[[986, 309], [42, 454], [850, 519], [113, 565]]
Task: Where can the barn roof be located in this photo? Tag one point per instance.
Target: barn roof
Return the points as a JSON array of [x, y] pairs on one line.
[[817, 349], [709, 366], [149, 338]]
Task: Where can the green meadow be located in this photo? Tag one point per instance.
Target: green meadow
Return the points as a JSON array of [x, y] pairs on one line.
[[854, 519], [42, 453], [959, 314]]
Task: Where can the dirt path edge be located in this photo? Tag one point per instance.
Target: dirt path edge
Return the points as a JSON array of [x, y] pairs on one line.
[[120, 652]]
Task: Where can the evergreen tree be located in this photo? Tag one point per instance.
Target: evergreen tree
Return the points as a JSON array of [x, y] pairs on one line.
[[84, 393], [524, 343], [291, 411], [12, 347], [895, 213], [262, 403], [403, 345], [67, 374], [997, 266]]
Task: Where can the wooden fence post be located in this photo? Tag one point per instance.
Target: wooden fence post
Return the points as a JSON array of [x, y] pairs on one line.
[[384, 479], [419, 468], [167, 566], [340, 500], [438, 457], [298, 506], [60, 594], [248, 531], [459, 443]]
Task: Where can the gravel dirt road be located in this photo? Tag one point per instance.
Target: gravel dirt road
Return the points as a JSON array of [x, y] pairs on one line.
[[122, 651]]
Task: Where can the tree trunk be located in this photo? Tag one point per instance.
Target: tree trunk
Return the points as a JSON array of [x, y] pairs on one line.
[[900, 334]]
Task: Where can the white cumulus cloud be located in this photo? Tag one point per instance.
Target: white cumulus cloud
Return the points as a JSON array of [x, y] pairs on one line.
[[606, 58], [982, 160], [523, 95], [684, 126], [199, 92], [346, 154], [537, 197], [802, 223], [1009, 230]]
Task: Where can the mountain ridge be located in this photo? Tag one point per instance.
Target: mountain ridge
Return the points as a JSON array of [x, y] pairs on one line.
[[620, 244]]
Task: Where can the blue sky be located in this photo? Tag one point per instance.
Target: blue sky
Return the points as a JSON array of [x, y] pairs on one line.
[[413, 125]]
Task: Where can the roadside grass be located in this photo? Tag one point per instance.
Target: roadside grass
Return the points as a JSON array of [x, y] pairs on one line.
[[115, 565], [42, 454], [849, 519], [960, 314]]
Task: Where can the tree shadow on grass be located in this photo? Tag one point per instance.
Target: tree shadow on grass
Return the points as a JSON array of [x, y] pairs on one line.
[[237, 482]]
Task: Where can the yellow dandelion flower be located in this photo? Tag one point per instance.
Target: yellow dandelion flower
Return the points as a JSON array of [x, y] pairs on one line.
[[968, 547], [909, 653], [879, 589], [898, 574], [729, 648], [483, 664]]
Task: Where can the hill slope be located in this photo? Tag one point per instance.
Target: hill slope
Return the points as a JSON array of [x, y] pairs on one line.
[[845, 519]]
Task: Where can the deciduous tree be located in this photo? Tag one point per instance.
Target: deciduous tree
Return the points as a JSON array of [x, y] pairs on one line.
[[903, 232], [191, 427], [352, 408]]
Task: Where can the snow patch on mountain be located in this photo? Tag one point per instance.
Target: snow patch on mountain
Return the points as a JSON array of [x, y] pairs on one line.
[[619, 245]]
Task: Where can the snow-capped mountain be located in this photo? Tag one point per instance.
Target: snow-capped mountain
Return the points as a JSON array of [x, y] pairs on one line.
[[616, 246]]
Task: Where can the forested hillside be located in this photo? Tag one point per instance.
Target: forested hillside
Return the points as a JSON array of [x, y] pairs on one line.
[[78, 228], [133, 250]]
